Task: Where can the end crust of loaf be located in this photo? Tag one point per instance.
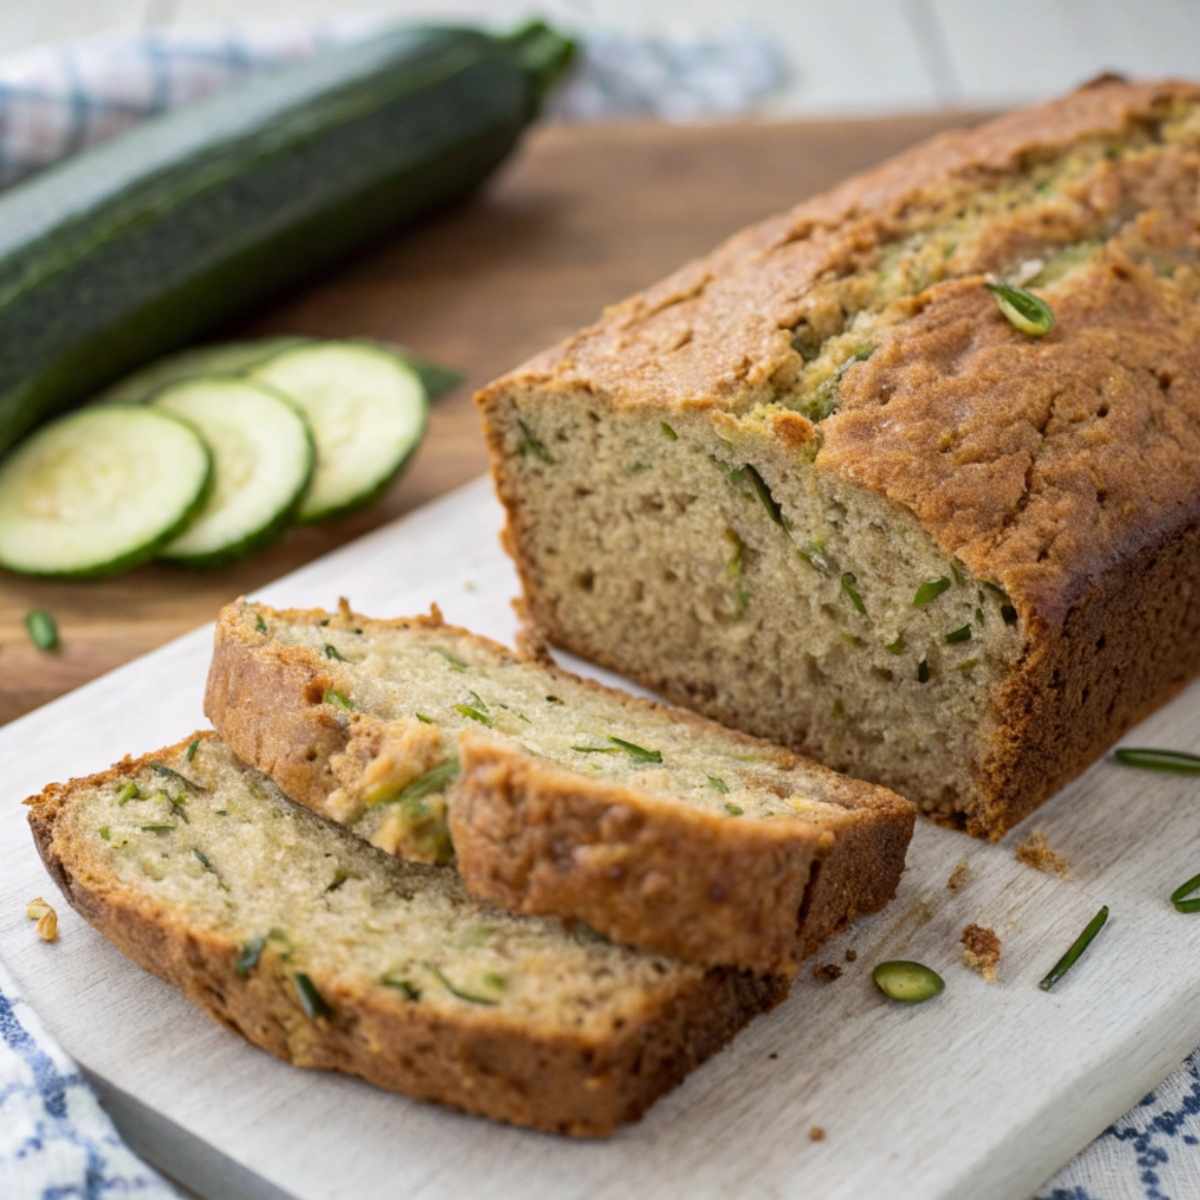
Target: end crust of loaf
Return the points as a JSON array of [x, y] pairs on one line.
[[574, 1086], [538, 839]]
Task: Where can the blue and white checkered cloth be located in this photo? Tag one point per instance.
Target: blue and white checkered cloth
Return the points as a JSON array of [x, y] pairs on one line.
[[56, 1143]]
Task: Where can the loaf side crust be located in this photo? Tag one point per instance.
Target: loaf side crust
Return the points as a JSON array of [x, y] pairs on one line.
[[539, 839], [578, 1086]]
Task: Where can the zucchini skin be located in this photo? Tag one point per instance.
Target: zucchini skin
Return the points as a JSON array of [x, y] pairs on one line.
[[142, 244]]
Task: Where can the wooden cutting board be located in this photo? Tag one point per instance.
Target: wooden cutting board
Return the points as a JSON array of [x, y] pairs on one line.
[[981, 1093], [582, 217]]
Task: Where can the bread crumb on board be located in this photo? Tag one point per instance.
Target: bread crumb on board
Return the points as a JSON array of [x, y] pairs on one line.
[[959, 876], [816, 1134], [981, 950], [827, 972], [45, 916], [851, 955], [1035, 852]]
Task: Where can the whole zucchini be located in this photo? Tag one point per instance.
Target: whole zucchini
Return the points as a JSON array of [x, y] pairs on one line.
[[142, 244]]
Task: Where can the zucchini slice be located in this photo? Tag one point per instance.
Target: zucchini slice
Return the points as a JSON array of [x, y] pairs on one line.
[[367, 410], [100, 490], [223, 358], [263, 461]]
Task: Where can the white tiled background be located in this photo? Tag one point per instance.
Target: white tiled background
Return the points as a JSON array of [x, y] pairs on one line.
[[847, 55]]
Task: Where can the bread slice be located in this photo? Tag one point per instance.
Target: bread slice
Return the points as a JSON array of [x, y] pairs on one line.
[[329, 953], [848, 504], [559, 796]]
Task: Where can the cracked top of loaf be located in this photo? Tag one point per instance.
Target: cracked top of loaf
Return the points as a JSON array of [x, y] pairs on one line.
[[856, 329]]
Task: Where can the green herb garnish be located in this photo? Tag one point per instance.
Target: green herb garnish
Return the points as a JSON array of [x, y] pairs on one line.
[[436, 779], [764, 494], [1078, 946], [851, 590], [668, 432], [170, 773], [1179, 897], [923, 671], [717, 784], [1177, 762], [249, 955], [469, 997], [410, 989], [734, 810], [130, 791], [907, 982], [637, 753], [961, 634], [311, 1000], [532, 444], [477, 710], [455, 662], [43, 631], [336, 698], [1023, 310], [929, 591], [331, 651]]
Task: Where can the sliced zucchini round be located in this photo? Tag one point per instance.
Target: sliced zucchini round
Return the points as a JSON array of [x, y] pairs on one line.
[[367, 410], [263, 460], [222, 358], [100, 490]]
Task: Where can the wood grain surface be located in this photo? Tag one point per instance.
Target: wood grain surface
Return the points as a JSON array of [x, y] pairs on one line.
[[583, 216]]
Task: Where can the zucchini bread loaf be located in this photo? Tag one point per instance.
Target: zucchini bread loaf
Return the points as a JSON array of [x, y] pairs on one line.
[[835, 484], [554, 795], [329, 953]]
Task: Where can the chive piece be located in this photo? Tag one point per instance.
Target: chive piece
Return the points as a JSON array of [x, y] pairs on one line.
[[929, 591], [469, 997], [436, 779], [668, 432], [764, 494], [455, 662], [190, 753], [160, 828], [1179, 897], [637, 753], [311, 1000], [718, 784], [259, 623], [851, 591], [336, 698], [106, 833], [170, 773], [477, 710], [331, 651], [130, 791], [249, 955], [1078, 946], [961, 634], [896, 647], [923, 671], [734, 810], [1178, 762], [410, 989], [532, 444], [1023, 310], [43, 631], [814, 554], [907, 982], [423, 718]]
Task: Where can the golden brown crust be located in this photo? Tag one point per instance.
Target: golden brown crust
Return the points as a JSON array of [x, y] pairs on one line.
[[1064, 468], [561, 1084], [538, 839]]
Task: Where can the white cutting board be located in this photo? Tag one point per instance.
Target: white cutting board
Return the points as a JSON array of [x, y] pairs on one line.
[[982, 1093]]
